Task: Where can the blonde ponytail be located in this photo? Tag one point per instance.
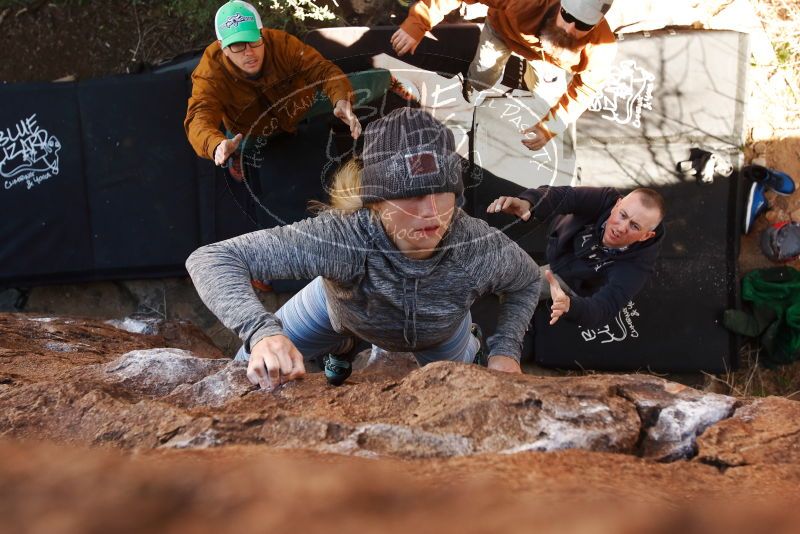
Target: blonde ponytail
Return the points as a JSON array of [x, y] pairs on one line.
[[344, 191]]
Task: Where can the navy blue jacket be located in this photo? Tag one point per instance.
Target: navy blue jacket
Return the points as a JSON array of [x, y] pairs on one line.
[[604, 281]]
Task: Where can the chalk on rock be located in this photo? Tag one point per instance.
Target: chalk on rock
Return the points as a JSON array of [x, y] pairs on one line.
[[159, 371], [136, 326], [214, 390]]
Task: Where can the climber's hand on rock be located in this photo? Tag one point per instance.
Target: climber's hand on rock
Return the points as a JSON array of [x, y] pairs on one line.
[[507, 364], [274, 360]]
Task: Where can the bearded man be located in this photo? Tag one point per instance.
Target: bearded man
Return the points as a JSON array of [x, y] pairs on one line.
[[567, 45]]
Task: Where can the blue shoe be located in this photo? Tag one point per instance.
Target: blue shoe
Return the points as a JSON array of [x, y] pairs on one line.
[[756, 205], [778, 181], [337, 369]]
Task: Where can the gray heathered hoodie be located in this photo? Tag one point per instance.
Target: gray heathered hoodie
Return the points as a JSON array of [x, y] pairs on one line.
[[373, 290]]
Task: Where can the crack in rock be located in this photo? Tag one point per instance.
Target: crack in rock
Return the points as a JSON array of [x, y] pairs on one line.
[[672, 417], [679, 425]]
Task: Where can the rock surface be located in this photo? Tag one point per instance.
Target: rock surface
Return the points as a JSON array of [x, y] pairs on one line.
[[444, 434], [763, 432], [441, 410], [167, 397]]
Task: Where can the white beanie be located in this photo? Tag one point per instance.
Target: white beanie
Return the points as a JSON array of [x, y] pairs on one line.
[[588, 11]]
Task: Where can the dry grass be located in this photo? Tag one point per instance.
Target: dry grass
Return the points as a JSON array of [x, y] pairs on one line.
[[753, 379]]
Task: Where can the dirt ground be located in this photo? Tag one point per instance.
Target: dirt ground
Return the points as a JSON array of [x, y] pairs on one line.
[[46, 41], [94, 39], [773, 140]]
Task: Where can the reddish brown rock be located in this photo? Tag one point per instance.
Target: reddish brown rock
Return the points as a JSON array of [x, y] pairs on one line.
[[34, 349], [166, 397], [171, 334], [214, 390], [766, 431], [157, 372]]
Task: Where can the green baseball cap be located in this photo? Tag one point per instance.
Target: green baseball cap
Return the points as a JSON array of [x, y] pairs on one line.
[[237, 22]]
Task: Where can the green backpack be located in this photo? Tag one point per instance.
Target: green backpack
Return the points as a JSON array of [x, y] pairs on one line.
[[775, 297]]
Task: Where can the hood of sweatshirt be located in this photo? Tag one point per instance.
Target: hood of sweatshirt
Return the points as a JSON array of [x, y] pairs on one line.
[[410, 270]]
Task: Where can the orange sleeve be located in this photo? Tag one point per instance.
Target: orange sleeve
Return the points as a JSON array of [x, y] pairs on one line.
[[203, 117], [426, 14]]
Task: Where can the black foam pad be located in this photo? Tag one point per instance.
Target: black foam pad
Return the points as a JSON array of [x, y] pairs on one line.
[[45, 214], [140, 172], [674, 324]]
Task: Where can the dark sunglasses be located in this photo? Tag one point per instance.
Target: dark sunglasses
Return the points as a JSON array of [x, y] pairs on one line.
[[579, 24]]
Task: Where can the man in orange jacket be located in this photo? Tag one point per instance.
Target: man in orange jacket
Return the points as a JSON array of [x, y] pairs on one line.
[[558, 39], [257, 82]]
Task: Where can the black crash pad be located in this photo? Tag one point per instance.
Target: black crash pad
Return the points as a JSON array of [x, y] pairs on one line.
[[688, 91], [674, 323], [120, 198], [45, 214]]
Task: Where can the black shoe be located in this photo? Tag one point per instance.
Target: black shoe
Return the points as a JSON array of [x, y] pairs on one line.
[[337, 369], [480, 356]]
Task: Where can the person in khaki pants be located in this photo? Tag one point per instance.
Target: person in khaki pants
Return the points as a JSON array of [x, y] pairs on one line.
[[567, 44]]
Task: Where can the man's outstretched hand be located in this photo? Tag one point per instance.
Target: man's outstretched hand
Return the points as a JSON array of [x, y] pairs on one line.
[[560, 299], [403, 43], [536, 136], [344, 111], [226, 149], [513, 205], [274, 360]]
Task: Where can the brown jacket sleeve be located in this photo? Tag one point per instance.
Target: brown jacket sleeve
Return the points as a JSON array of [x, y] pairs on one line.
[[426, 14], [315, 69], [204, 113]]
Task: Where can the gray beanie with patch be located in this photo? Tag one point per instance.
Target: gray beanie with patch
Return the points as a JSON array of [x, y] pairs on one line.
[[588, 11], [409, 153]]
